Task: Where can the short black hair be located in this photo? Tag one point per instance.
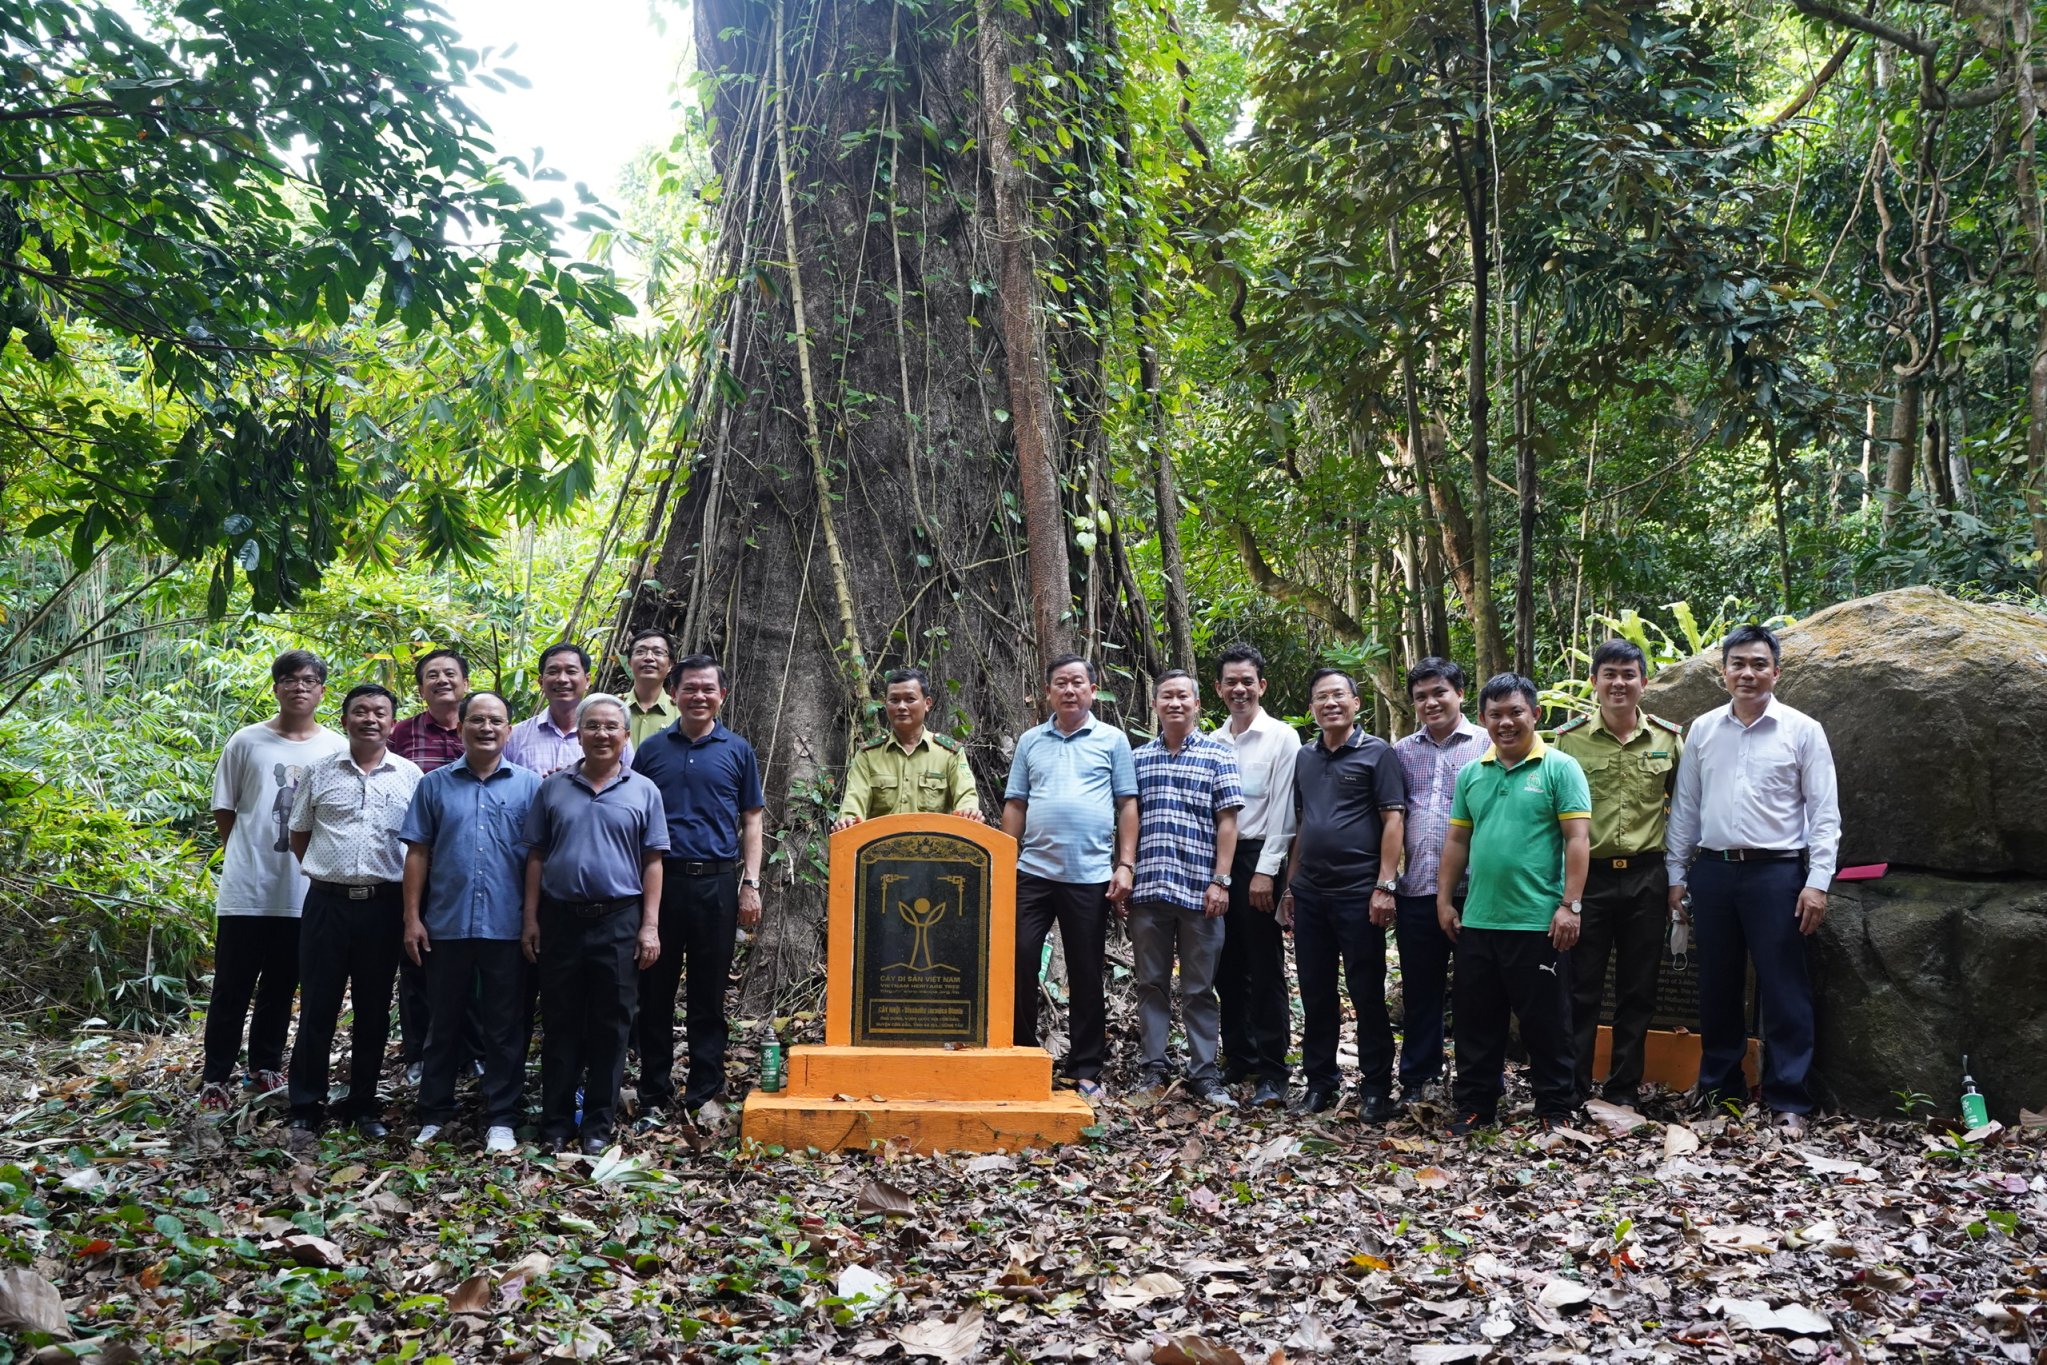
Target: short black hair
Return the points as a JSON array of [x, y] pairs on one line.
[[1241, 653], [1619, 651], [908, 673], [650, 633], [370, 690], [1319, 674], [1751, 634], [697, 663], [1503, 685], [564, 647], [1436, 666], [295, 661], [1172, 674], [462, 707], [1059, 661], [419, 664]]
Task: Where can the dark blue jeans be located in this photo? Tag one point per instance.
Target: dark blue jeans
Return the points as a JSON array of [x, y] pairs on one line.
[[1743, 911], [1329, 930], [1425, 952]]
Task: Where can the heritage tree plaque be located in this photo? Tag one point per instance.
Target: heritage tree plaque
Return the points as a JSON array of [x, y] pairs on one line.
[[920, 942], [1671, 1051], [920, 985]]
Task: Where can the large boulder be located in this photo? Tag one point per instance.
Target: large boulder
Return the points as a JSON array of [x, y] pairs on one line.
[[1937, 713], [1914, 971]]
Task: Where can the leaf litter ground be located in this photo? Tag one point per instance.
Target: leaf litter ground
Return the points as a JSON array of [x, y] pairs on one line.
[[133, 1230]]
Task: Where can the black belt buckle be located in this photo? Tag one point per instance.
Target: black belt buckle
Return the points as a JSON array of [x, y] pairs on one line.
[[692, 867], [359, 893]]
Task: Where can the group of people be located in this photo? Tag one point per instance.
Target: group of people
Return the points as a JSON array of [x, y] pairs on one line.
[[582, 862], [1510, 869], [593, 860]]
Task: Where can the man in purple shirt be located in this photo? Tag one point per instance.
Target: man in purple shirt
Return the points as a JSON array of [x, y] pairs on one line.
[[546, 742], [1430, 758], [431, 739]]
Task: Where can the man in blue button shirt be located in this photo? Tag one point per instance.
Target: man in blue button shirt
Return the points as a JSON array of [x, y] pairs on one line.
[[465, 858], [1071, 804], [710, 785]]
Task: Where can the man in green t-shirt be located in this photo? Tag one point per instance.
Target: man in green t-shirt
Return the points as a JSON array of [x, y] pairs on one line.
[[1521, 821]]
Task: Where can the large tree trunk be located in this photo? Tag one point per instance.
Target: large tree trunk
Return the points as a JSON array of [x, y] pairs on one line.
[[889, 445]]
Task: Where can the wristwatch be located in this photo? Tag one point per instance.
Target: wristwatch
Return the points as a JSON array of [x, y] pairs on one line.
[[754, 882], [1575, 907], [1391, 884], [1221, 879]]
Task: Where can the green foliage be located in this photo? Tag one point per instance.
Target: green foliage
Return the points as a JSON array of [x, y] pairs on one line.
[[275, 298]]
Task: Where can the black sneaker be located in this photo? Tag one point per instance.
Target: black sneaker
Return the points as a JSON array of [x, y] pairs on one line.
[[1153, 1080], [1627, 1097], [1465, 1124], [1214, 1094], [1269, 1095], [1377, 1108]]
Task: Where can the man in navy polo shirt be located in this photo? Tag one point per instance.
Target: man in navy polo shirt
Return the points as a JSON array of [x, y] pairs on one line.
[[710, 784], [1071, 804], [1351, 799]]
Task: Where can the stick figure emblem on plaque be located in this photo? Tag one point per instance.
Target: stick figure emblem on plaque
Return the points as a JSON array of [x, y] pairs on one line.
[[921, 915]]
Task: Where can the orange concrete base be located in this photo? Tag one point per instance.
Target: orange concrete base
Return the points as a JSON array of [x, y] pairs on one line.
[[921, 1073], [786, 1120], [995, 1099], [1671, 1059]]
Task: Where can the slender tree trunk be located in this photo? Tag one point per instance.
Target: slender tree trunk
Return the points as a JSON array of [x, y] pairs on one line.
[[1478, 587], [1172, 566], [2025, 178], [1526, 475], [1904, 448], [1023, 343]]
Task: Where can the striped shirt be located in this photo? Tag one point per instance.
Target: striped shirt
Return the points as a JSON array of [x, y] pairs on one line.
[[1179, 796], [538, 744], [1431, 770]]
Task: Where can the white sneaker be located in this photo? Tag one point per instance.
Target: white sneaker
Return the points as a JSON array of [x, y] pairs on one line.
[[426, 1134], [500, 1140]]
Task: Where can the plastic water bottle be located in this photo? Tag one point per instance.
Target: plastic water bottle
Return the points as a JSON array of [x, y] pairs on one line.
[[1975, 1109], [772, 1076]]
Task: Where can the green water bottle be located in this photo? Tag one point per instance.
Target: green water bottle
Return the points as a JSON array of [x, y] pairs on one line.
[[1975, 1109], [772, 1078]]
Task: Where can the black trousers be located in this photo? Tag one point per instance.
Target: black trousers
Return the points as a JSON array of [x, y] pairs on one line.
[[699, 926], [351, 946], [1328, 931], [1082, 914], [1250, 977], [254, 957], [1745, 912], [1519, 971], [483, 980], [416, 1017], [589, 989], [1625, 912], [1425, 954]]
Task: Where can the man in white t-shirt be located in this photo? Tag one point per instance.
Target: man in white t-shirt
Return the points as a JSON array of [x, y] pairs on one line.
[[256, 943]]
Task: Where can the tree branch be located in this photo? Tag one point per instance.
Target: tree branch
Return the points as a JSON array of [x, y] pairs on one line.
[[1911, 42]]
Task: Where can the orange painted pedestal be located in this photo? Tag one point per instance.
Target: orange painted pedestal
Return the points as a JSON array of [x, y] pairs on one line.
[[1670, 1059], [919, 998]]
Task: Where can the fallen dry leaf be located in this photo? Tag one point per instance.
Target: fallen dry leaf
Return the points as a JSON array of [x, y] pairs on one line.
[[473, 1295], [1193, 1350], [1757, 1314], [1563, 1293], [941, 1340], [1678, 1140], [30, 1303], [1449, 1354], [1432, 1177], [878, 1196], [1739, 1239], [1142, 1290], [317, 1252]]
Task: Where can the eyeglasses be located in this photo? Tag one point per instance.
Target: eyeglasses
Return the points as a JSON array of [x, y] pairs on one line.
[[301, 682], [652, 652]]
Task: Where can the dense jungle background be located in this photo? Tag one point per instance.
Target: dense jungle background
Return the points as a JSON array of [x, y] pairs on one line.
[[958, 332]]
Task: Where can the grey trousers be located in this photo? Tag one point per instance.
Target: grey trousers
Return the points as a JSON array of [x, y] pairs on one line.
[[1158, 933]]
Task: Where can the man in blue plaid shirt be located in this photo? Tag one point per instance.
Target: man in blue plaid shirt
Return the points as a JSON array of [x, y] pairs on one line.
[[1188, 794]]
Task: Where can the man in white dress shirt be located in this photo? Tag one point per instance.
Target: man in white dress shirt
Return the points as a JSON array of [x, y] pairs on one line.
[[1251, 973], [1755, 830], [344, 830]]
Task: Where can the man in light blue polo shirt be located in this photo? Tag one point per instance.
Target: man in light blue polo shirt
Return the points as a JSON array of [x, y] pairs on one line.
[[1071, 804], [465, 860]]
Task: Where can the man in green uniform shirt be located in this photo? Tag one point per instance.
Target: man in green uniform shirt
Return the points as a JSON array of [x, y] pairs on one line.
[[650, 710], [1518, 818], [909, 769], [1630, 762]]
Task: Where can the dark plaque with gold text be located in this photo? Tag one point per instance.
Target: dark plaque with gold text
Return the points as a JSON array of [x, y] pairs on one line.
[[920, 942]]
